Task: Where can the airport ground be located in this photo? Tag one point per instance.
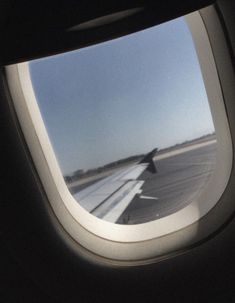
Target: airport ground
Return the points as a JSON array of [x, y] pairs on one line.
[[179, 180], [182, 174]]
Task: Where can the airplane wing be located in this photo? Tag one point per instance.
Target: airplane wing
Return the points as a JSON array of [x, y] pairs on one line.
[[108, 198]]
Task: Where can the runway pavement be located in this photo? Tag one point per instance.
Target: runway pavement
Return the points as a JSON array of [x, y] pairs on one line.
[[180, 179], [182, 175]]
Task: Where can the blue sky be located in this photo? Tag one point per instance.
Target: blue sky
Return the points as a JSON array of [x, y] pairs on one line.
[[122, 97]]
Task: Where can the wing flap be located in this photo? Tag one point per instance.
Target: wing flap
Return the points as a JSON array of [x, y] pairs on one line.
[[109, 197]]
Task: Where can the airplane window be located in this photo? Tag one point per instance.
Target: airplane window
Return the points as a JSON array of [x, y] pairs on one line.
[[130, 123], [130, 138]]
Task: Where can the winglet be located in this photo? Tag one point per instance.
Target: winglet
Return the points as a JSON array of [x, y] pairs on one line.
[[149, 159]]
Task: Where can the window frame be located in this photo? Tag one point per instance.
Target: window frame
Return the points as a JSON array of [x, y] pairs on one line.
[[151, 240]]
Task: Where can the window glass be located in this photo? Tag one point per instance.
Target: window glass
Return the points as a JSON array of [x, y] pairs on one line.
[[130, 123]]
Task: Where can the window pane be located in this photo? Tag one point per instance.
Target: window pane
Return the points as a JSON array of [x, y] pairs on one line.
[[130, 123]]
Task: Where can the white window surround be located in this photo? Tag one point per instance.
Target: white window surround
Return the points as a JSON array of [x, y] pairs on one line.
[[127, 242]]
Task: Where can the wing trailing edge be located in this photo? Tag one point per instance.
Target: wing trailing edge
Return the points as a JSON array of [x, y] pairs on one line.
[[108, 198]]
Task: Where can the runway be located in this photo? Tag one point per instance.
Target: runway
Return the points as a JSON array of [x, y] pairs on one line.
[[182, 174], [179, 180]]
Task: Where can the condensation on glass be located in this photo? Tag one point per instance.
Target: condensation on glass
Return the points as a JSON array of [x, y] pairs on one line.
[[130, 123]]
